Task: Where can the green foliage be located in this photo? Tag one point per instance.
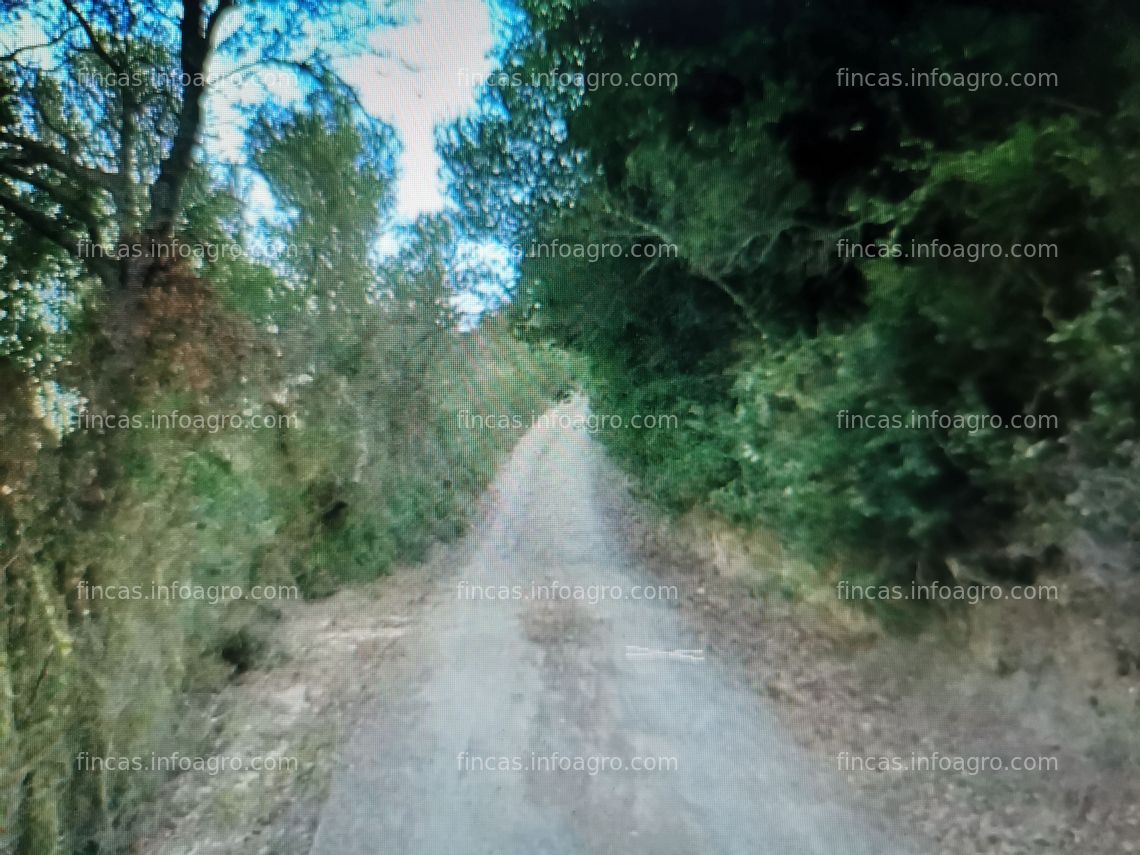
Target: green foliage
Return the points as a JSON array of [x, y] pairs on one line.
[[356, 376], [760, 334]]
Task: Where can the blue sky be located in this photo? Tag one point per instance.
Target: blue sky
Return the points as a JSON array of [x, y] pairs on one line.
[[415, 76], [418, 75]]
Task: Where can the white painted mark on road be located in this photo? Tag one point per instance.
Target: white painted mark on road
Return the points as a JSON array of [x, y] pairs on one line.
[[635, 652]]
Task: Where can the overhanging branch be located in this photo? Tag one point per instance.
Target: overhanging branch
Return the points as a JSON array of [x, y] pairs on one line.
[[695, 267], [42, 153], [96, 45], [54, 231]]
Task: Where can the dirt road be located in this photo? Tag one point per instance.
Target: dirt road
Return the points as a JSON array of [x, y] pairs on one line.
[[549, 701]]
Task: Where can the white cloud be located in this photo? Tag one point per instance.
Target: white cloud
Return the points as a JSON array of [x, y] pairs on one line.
[[427, 75]]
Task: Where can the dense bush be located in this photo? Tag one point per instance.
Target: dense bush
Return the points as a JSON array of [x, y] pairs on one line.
[[362, 370], [763, 166]]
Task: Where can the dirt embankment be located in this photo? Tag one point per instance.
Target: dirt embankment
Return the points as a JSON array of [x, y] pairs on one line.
[[1055, 682], [321, 669]]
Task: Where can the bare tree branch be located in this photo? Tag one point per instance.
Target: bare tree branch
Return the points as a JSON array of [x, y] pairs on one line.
[[166, 193], [96, 45], [63, 237], [40, 183], [37, 152], [63, 34], [695, 267]]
